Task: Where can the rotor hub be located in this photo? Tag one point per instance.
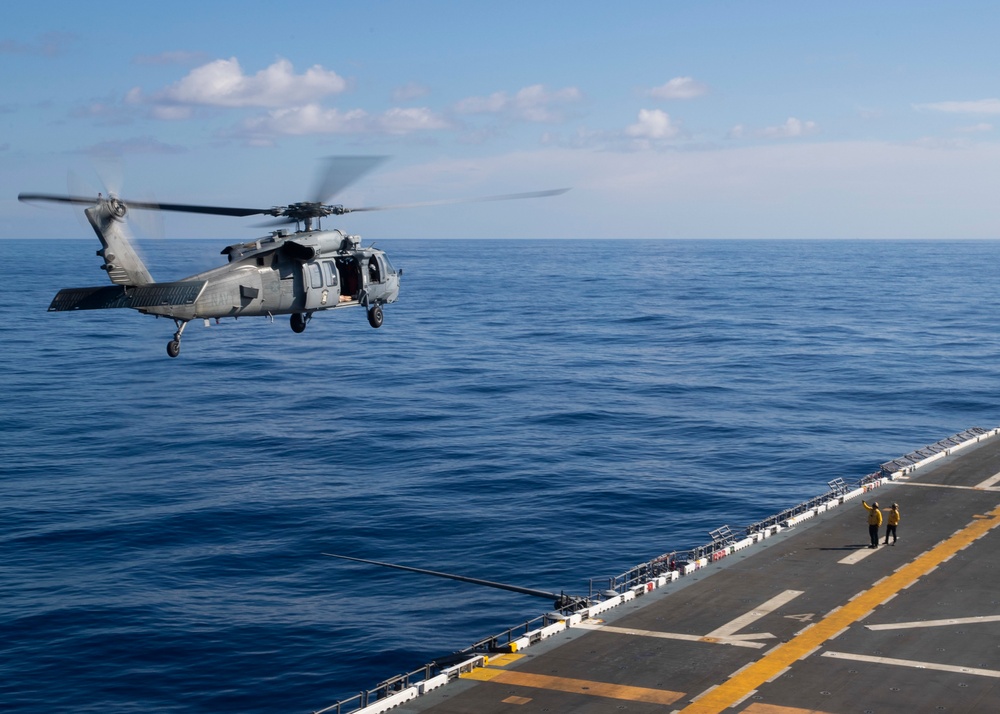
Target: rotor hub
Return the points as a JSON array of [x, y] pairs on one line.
[[117, 207]]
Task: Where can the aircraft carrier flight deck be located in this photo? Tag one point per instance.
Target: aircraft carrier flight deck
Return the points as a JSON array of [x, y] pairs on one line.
[[802, 616]]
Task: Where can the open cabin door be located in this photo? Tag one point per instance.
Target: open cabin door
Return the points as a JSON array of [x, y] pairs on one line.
[[350, 277]]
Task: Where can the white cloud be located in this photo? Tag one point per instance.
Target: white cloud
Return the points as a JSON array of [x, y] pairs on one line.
[[976, 128], [171, 113], [106, 111], [222, 84], [653, 124], [313, 119], [791, 129], [492, 104], [678, 88], [49, 44], [161, 112], [409, 91], [96, 109], [535, 103], [405, 121], [305, 120], [979, 106], [136, 145]]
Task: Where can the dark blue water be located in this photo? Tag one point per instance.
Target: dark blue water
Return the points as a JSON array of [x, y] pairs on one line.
[[539, 413]]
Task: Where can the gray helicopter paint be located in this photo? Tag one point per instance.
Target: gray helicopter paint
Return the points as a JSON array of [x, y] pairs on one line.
[[121, 262], [107, 297], [322, 284]]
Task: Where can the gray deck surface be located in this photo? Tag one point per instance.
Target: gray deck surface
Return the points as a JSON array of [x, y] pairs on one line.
[[810, 620]]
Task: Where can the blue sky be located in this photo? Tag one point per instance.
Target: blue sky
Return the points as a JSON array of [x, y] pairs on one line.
[[667, 119]]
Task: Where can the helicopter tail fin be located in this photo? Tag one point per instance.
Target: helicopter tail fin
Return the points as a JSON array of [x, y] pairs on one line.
[[123, 264]]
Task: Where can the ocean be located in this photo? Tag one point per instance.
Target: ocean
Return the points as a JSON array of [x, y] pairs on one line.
[[538, 413]]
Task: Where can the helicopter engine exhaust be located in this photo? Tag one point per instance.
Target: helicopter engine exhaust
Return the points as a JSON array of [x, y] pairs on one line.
[[311, 246], [297, 250]]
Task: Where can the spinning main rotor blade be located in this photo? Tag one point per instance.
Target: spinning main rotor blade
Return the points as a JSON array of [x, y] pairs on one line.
[[296, 211], [449, 201], [183, 207], [341, 172], [463, 578], [189, 208], [27, 197]]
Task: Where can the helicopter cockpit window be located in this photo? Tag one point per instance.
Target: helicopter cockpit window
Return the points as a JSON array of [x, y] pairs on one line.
[[388, 266], [330, 273], [374, 273], [315, 277]]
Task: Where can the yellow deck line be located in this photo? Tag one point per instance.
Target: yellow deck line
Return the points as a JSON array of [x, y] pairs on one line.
[[772, 664], [576, 686], [760, 708], [502, 660]]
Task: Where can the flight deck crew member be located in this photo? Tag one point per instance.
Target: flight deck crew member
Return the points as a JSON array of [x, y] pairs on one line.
[[891, 523], [874, 521]]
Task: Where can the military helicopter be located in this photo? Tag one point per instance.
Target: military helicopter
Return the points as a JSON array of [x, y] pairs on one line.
[[283, 273]]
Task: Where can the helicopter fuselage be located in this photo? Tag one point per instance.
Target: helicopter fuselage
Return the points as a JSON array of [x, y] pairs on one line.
[[284, 273], [288, 274]]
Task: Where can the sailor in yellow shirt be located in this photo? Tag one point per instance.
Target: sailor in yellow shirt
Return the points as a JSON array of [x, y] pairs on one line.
[[891, 523], [874, 521]]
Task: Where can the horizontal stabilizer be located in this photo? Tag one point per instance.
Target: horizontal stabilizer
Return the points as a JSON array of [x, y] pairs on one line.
[[106, 297]]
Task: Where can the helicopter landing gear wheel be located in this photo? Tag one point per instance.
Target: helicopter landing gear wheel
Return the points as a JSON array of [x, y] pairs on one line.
[[174, 347], [375, 316], [298, 322]]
